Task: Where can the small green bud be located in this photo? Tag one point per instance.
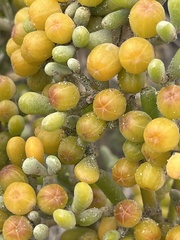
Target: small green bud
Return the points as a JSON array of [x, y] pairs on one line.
[[71, 9], [115, 19], [40, 231], [34, 217], [56, 70], [174, 13], [31, 166], [88, 216], [80, 36], [53, 121], [53, 164], [174, 67], [98, 37], [34, 103], [62, 53], [156, 71], [64, 218], [74, 65], [82, 16], [166, 31]]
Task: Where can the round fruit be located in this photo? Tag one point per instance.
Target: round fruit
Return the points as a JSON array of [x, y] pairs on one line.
[[51, 197], [150, 177], [87, 170], [59, 28], [63, 96], [17, 227], [123, 172], [90, 128], [7, 88], [16, 125], [168, 100], [11, 46], [7, 110], [11, 173], [128, 213], [135, 54], [161, 134], [132, 125], [131, 83], [103, 62], [20, 66], [19, 198], [40, 10], [172, 166], [36, 47], [147, 229], [109, 104], [69, 152], [144, 16]]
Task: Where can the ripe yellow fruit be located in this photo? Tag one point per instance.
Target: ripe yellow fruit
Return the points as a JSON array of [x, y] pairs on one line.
[[144, 16], [90, 3], [135, 54], [103, 62]]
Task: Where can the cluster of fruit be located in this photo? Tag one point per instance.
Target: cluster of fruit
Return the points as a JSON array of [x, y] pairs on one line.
[[88, 66]]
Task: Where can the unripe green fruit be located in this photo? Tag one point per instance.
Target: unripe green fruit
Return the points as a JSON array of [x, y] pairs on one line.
[[34, 103], [74, 65], [80, 36], [82, 16], [132, 151], [166, 31], [88, 216], [99, 37], [173, 68], [115, 19], [108, 6], [56, 70], [38, 81], [131, 83], [94, 23], [32, 166], [7, 110], [64, 218], [156, 70], [53, 164], [41, 231], [76, 233], [174, 12], [53, 121], [111, 235], [16, 125], [69, 151], [148, 171], [71, 9], [62, 53]]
